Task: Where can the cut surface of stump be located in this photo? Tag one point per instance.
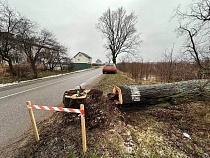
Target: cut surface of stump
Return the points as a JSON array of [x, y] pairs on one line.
[[73, 98]]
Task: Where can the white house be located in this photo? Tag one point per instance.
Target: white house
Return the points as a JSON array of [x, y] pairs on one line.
[[82, 58]]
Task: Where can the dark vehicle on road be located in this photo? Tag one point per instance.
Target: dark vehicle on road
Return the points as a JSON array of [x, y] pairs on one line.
[[109, 68]]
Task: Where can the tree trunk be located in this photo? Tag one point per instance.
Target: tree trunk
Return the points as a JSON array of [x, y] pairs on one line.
[[192, 90], [11, 68], [33, 66], [113, 57]]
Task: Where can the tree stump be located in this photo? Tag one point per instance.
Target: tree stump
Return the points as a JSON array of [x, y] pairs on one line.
[[192, 90], [73, 98]]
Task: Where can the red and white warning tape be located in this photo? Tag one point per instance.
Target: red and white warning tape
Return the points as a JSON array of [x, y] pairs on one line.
[[40, 107]]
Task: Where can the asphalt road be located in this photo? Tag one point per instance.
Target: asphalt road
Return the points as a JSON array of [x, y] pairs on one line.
[[14, 116]]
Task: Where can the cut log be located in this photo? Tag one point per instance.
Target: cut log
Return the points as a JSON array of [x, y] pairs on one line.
[[191, 90]]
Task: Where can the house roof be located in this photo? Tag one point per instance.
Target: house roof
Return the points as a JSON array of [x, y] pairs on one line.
[[98, 61], [83, 54]]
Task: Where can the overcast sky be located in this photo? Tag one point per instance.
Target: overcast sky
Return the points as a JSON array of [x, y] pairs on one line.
[[73, 23]]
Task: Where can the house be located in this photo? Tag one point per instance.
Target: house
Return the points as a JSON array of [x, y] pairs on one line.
[[82, 58], [98, 61]]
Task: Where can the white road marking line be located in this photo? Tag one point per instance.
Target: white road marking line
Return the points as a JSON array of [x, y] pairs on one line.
[[31, 89]]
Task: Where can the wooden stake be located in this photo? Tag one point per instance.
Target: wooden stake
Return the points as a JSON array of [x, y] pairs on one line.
[[33, 122], [83, 130]]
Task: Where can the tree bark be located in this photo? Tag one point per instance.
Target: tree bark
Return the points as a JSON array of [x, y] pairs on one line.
[[176, 92], [11, 68], [34, 68]]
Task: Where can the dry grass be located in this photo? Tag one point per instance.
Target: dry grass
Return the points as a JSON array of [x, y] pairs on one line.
[[161, 130]]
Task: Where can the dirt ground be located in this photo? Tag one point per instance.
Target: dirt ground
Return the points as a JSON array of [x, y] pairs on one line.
[[162, 130]]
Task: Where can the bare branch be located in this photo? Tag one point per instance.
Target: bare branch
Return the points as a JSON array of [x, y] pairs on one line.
[[194, 27]]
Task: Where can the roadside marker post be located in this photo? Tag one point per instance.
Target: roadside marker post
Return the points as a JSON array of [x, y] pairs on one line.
[[33, 121], [83, 130], [81, 111]]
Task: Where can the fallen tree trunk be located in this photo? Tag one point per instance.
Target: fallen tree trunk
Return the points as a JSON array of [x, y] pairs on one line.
[[154, 94]]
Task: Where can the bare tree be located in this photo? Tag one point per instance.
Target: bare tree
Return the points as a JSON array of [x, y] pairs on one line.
[[166, 68], [120, 32], [195, 28], [9, 22], [28, 42], [33, 42], [53, 57], [20, 36]]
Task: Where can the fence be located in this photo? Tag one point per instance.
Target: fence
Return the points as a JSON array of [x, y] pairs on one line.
[[80, 66], [81, 111]]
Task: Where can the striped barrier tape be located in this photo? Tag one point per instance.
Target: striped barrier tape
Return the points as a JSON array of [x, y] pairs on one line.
[[40, 107]]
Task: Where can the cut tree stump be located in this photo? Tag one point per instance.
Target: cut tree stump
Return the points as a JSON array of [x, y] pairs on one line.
[[73, 98], [192, 90]]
